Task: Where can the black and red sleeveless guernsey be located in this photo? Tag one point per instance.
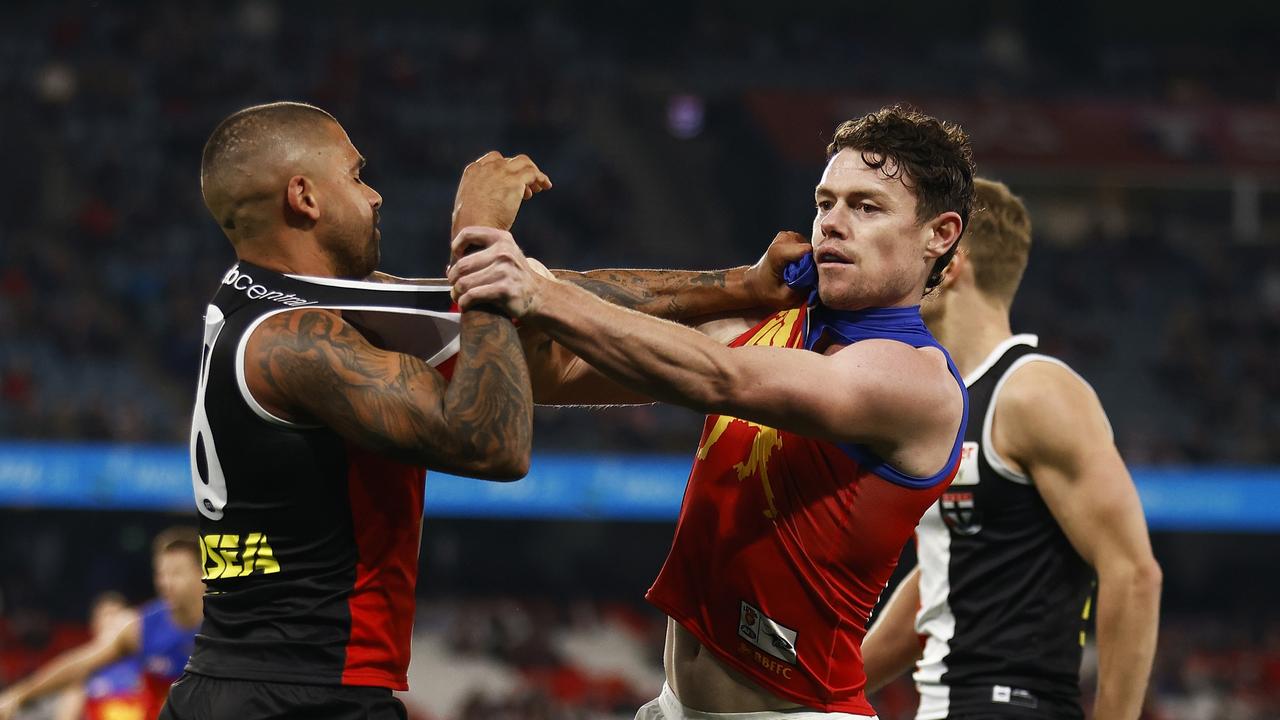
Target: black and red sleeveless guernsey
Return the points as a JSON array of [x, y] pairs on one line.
[[1003, 595], [310, 543]]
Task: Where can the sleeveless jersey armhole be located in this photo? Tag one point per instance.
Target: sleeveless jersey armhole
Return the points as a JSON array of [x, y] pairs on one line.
[[998, 463], [245, 393], [880, 467]]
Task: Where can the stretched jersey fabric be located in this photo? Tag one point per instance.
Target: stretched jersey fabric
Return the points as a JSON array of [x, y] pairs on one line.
[[115, 692], [1004, 597], [165, 649], [784, 543], [310, 543]]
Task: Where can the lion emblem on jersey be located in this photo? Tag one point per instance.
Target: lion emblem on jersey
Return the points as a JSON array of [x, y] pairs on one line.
[[779, 331]]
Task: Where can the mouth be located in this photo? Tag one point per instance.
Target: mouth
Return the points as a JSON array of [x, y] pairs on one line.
[[828, 256]]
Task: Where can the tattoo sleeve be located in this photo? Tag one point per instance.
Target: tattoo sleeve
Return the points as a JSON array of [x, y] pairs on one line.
[[670, 294], [479, 423]]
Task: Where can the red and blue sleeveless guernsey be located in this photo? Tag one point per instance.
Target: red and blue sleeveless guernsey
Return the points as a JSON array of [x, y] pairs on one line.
[[165, 649], [115, 692], [310, 542], [785, 543]]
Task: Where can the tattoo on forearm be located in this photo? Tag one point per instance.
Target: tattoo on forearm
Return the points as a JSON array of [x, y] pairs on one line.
[[661, 293], [397, 404], [489, 400]]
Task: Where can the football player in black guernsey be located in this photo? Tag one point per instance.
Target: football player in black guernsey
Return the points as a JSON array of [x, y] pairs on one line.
[[1041, 511], [310, 434]]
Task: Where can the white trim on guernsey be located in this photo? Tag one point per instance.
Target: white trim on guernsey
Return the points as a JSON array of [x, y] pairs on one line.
[[998, 463], [210, 491], [997, 353], [245, 393], [934, 618], [935, 701], [368, 285], [450, 348]]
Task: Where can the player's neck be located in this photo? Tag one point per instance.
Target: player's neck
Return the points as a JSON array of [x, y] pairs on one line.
[[185, 616], [971, 328], [289, 255]]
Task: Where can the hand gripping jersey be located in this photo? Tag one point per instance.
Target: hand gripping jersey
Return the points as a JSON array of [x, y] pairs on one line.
[[784, 543], [115, 692], [1003, 595], [310, 543], [165, 649]]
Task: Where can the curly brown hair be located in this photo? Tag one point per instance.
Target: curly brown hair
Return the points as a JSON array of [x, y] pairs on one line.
[[931, 157]]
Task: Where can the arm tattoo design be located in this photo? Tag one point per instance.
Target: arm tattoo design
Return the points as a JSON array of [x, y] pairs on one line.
[[489, 401], [671, 294], [398, 405]]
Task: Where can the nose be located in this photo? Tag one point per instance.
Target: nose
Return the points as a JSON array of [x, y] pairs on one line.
[[375, 199], [830, 226]]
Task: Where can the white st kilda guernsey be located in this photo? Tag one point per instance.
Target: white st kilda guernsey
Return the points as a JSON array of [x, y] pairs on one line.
[[1004, 598], [309, 543]]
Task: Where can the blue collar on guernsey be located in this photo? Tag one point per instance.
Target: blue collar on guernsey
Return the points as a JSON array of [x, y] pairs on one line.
[[903, 324]]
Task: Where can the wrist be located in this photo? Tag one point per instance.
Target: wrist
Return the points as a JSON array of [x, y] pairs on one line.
[[739, 283], [544, 299]]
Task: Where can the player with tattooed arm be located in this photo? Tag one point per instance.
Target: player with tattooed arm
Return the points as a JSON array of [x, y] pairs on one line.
[[311, 431]]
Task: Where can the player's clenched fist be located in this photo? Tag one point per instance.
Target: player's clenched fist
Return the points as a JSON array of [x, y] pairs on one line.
[[488, 268], [492, 189], [764, 279]]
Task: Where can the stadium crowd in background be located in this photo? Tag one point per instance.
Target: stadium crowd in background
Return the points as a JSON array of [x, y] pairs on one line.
[[101, 267], [1139, 279]]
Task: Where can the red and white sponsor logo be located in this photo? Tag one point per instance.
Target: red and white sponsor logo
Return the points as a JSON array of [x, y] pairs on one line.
[[766, 634]]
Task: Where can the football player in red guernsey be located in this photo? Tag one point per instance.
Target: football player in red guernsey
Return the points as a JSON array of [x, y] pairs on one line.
[[832, 424]]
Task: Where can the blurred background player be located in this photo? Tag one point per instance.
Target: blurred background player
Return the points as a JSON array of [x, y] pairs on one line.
[[116, 691], [160, 633], [1041, 507], [1145, 146], [814, 467]]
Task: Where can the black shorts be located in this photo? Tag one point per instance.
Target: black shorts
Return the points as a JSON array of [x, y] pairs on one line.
[[988, 703], [200, 697]]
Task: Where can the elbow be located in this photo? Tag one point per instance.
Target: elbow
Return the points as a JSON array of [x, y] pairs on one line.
[[512, 468], [1140, 579], [721, 392], [1150, 577], [506, 465]]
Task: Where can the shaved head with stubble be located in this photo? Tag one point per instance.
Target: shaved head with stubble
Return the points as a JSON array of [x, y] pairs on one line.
[[283, 182]]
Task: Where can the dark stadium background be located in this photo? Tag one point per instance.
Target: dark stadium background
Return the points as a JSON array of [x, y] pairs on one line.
[[1145, 138]]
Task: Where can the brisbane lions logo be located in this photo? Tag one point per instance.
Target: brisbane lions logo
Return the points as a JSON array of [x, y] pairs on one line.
[[782, 330]]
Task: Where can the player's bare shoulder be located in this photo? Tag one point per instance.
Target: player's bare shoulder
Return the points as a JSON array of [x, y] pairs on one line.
[[293, 353], [1043, 407], [910, 388]]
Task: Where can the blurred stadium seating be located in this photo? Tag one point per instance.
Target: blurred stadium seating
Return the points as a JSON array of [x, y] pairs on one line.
[[683, 134]]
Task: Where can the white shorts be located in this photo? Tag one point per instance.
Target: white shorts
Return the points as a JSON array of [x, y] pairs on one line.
[[668, 707]]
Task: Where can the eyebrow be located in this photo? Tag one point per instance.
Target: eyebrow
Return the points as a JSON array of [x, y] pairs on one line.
[[873, 195]]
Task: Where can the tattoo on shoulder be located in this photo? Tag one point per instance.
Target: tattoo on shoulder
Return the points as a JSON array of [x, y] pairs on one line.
[[313, 360], [396, 403]]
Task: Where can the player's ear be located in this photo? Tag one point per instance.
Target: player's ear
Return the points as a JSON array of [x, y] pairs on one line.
[[959, 263], [944, 232], [302, 199]]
